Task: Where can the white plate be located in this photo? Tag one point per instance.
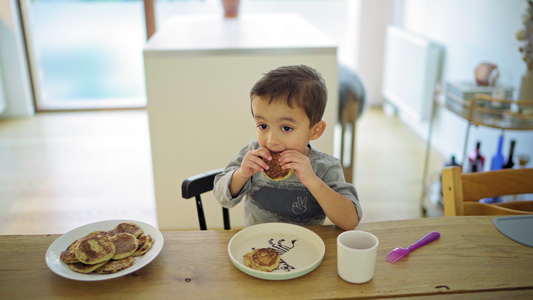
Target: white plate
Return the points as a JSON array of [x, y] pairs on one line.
[[301, 249], [517, 228], [61, 244]]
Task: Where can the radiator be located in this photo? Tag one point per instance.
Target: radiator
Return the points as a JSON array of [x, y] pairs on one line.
[[412, 68], [2, 94]]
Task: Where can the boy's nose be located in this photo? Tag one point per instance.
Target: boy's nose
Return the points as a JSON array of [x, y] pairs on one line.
[[272, 140]]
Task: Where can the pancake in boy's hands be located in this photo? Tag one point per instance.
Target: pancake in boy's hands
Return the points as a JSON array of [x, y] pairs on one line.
[[275, 172], [262, 259]]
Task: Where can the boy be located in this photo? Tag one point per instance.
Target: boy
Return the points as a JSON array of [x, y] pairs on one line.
[[288, 104]]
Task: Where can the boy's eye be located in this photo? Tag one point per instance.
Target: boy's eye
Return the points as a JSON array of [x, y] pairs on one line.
[[286, 128], [262, 126]]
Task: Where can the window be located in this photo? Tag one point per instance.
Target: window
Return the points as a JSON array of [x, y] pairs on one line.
[[86, 54]]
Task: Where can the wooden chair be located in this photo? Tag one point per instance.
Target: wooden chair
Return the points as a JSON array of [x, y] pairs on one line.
[[462, 192], [197, 185]]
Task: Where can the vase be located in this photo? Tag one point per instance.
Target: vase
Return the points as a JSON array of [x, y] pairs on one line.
[[231, 8], [526, 87]]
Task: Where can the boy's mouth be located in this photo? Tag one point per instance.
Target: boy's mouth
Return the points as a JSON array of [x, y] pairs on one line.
[[275, 151]]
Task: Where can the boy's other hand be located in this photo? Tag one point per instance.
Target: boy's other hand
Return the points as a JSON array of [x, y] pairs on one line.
[[292, 159]]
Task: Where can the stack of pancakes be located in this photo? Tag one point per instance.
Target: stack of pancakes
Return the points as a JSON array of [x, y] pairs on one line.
[[107, 252]]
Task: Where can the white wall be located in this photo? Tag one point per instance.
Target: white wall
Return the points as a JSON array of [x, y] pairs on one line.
[[335, 18], [2, 94], [472, 32], [13, 64], [374, 18]]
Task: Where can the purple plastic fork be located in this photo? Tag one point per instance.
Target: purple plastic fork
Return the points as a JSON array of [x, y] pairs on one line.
[[401, 252]]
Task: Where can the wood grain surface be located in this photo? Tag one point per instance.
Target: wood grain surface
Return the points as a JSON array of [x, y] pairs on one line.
[[472, 259]]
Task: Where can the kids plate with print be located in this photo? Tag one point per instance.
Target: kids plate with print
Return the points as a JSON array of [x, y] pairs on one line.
[[301, 250]]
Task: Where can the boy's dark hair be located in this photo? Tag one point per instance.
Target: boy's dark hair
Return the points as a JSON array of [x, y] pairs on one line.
[[300, 85]]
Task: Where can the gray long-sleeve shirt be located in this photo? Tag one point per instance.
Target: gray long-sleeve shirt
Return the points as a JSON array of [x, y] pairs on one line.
[[288, 200]]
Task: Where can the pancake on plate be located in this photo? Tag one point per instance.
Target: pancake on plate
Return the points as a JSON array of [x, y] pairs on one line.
[[114, 266], [130, 228], [69, 256], [262, 259], [94, 249], [109, 251], [275, 172], [99, 232], [125, 245], [111, 233], [84, 268], [145, 243]]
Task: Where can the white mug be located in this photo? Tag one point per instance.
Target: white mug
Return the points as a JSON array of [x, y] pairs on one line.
[[356, 255]]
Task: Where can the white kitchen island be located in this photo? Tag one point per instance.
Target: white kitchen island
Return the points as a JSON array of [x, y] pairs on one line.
[[199, 71]]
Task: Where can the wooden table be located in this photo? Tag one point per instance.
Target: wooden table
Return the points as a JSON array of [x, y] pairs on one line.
[[472, 259]]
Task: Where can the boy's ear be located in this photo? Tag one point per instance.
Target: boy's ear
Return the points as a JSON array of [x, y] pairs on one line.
[[317, 130]]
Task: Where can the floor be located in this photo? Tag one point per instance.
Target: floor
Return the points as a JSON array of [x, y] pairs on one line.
[[63, 170]]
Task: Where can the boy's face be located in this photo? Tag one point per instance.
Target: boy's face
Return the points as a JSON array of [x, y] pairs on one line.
[[280, 127]]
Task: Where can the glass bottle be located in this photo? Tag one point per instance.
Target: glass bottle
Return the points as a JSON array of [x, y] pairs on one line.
[[476, 160], [497, 158], [509, 163]]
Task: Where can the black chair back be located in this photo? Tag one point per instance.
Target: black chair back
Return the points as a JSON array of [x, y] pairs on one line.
[[197, 185]]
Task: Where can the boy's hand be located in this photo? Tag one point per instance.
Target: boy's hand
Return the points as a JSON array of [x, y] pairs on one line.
[[292, 159], [252, 162]]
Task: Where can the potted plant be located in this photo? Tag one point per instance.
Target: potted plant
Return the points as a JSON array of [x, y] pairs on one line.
[[231, 8]]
